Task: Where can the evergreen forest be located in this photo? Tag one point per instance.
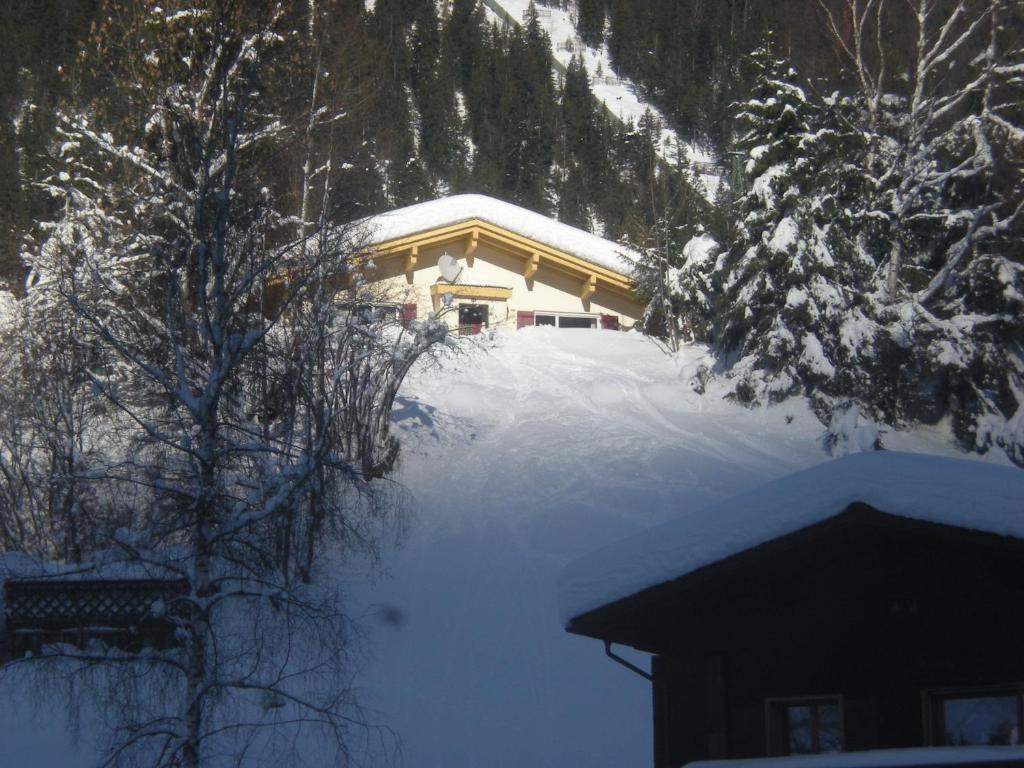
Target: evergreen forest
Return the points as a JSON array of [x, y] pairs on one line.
[[863, 249]]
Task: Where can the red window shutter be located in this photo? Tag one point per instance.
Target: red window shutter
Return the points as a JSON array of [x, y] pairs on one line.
[[610, 322], [523, 319], [408, 314]]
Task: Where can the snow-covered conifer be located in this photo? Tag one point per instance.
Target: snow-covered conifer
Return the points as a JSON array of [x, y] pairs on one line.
[[785, 281]]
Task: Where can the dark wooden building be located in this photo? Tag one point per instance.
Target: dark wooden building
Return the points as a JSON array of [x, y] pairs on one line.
[[864, 629]]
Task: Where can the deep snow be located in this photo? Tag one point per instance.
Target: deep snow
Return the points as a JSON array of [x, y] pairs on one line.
[[521, 457], [522, 454]]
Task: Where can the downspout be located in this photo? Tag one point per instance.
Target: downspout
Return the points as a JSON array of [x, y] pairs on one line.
[[627, 664]]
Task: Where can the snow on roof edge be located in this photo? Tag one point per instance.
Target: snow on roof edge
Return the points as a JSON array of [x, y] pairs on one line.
[[964, 493], [455, 209], [910, 757]]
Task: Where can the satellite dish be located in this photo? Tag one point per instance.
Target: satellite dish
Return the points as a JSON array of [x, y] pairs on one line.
[[450, 267]]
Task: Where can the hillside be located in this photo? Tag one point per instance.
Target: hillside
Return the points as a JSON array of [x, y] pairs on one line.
[[418, 99], [521, 453], [182, 388]]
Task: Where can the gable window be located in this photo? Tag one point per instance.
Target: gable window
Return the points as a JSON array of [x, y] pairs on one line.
[[805, 725], [976, 718]]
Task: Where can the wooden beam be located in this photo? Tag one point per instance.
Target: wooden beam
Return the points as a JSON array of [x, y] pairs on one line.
[[532, 265], [487, 292], [474, 241], [589, 288], [410, 258]]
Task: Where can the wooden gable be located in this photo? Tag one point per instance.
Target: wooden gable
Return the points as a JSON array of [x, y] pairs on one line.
[[533, 254], [882, 614]]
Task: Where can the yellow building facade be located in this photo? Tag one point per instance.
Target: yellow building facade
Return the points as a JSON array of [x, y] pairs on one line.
[[499, 267]]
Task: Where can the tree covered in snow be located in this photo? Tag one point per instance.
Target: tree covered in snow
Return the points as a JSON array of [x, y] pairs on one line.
[[226, 415], [941, 216], [672, 274], [671, 261], [875, 261], [788, 280]]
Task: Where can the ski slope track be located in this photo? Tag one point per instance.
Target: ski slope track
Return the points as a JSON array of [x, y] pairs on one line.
[[619, 95], [520, 454]]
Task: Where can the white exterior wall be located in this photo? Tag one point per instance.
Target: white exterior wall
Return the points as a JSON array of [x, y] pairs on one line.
[[549, 290]]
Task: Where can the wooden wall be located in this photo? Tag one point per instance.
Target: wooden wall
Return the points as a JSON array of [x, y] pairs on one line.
[[873, 609]]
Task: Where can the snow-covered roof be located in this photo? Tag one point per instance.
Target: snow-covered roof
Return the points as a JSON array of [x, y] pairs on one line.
[[967, 494], [103, 565], [456, 209], [880, 758]]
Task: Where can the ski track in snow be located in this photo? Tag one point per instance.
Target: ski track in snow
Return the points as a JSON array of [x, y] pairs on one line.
[[618, 94], [520, 454], [541, 446]]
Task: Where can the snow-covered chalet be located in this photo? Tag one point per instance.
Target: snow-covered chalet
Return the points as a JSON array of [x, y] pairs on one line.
[[482, 263], [864, 612]]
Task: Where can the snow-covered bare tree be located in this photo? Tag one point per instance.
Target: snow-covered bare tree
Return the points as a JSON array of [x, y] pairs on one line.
[[942, 217], [253, 408]]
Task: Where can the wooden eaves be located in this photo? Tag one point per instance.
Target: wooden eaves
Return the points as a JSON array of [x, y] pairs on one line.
[[535, 254], [635, 619]]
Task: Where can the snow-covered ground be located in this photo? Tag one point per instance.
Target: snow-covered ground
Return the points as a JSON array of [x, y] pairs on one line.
[[520, 455], [519, 458], [618, 94]]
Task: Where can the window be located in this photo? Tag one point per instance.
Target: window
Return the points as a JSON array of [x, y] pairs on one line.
[[566, 321], [472, 318], [978, 717], [805, 725]]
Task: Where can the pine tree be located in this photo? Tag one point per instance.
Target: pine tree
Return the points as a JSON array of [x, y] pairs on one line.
[[787, 281], [590, 22]]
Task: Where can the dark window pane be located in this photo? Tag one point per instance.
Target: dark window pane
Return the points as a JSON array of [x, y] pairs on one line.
[[472, 314], [830, 728], [544, 319], [577, 322], [984, 720], [798, 723]]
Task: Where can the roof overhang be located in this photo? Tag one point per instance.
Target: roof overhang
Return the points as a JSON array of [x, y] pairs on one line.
[[618, 620], [535, 254]]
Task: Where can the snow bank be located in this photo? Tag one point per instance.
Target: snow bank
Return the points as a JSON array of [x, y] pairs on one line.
[[881, 758], [968, 494], [459, 208]]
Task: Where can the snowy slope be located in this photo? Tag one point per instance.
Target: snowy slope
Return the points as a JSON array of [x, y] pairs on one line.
[[619, 95], [520, 455], [521, 458]]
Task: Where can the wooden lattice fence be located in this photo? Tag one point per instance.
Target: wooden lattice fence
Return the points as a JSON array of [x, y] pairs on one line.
[[127, 613]]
